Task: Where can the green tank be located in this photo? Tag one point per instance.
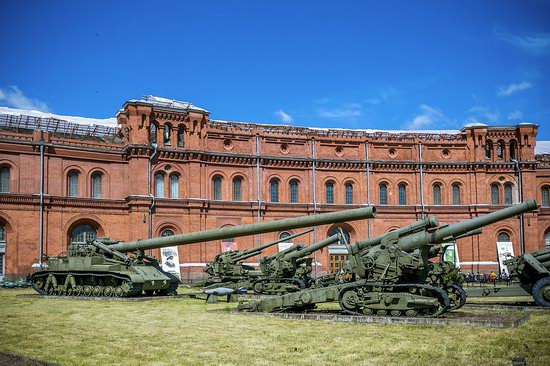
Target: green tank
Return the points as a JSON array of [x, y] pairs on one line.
[[393, 272], [103, 267], [228, 270]]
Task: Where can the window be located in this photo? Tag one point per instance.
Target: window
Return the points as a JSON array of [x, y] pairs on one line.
[[402, 194], [167, 232], [488, 149], [349, 193], [329, 192], [383, 188], [274, 190], [513, 149], [174, 186], [237, 184], [294, 191], [217, 188], [4, 179], [284, 234], [159, 185], [181, 136], [503, 237], [437, 194], [547, 239], [2, 249], [166, 134], [334, 231], [545, 196], [153, 133], [72, 184], [495, 195], [500, 149], [456, 194], [96, 185], [82, 234], [507, 194]]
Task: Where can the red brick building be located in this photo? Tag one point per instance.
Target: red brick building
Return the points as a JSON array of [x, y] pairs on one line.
[[166, 166]]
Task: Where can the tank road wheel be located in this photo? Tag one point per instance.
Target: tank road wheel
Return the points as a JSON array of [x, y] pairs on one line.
[[368, 311], [395, 313], [97, 291], [109, 291], [541, 292], [381, 312], [38, 283], [78, 290], [119, 291], [457, 296], [60, 290], [258, 287], [411, 313], [88, 290], [349, 300], [125, 288]]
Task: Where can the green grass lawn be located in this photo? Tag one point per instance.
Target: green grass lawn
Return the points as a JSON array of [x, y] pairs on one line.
[[182, 332]]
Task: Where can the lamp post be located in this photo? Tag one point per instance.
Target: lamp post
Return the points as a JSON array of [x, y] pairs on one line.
[[520, 188]]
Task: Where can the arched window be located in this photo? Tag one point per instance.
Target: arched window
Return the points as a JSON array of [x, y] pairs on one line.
[[284, 234], [503, 236], [508, 194], [166, 134], [167, 232], [96, 185], [217, 188], [82, 234], [293, 191], [2, 249], [545, 192], [513, 149], [237, 185], [349, 193], [402, 194], [174, 186], [383, 188], [495, 194], [72, 184], [437, 194], [274, 190], [334, 231], [329, 192], [500, 149], [181, 136], [547, 239], [456, 194], [159, 185], [153, 133], [4, 179], [488, 149]]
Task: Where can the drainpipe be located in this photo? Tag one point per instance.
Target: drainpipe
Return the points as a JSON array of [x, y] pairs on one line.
[[520, 188], [314, 183], [368, 183], [152, 206], [41, 218], [421, 180], [258, 187]]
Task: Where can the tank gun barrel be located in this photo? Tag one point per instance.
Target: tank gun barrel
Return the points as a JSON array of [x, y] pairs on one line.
[[317, 246], [255, 251], [248, 229], [109, 250]]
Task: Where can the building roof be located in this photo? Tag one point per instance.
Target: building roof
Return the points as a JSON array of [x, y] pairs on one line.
[[109, 122], [166, 103]]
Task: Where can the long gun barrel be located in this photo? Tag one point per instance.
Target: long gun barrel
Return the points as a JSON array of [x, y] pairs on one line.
[[249, 229], [448, 232], [255, 251], [314, 247]]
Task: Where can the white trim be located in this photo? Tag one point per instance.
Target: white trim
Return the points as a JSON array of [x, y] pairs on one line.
[[481, 262]]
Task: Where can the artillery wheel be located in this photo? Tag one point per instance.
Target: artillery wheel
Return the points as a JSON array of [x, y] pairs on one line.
[[541, 292], [258, 287]]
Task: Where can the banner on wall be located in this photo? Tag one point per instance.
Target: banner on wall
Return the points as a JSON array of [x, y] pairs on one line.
[[451, 254], [284, 246], [504, 250], [228, 246], [170, 260]]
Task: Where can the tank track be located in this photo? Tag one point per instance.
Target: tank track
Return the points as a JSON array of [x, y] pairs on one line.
[[274, 285], [457, 296], [352, 299], [124, 288]]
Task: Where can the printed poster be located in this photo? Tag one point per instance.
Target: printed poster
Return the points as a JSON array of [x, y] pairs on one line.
[[451, 255], [284, 246], [170, 261], [228, 246], [504, 250]]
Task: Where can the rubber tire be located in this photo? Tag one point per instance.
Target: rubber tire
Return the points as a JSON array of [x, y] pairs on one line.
[[537, 292]]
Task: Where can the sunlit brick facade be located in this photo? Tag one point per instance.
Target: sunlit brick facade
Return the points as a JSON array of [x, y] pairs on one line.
[[208, 174]]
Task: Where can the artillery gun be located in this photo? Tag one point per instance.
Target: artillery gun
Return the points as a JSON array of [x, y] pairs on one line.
[[391, 277], [228, 270], [102, 267], [533, 272], [289, 270]]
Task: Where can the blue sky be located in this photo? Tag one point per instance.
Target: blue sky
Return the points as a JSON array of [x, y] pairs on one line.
[[346, 64]]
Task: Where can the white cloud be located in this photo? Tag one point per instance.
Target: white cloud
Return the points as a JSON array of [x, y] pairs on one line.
[[515, 115], [373, 101], [284, 117], [537, 43], [427, 117], [347, 111], [12, 96], [484, 112], [512, 88]]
